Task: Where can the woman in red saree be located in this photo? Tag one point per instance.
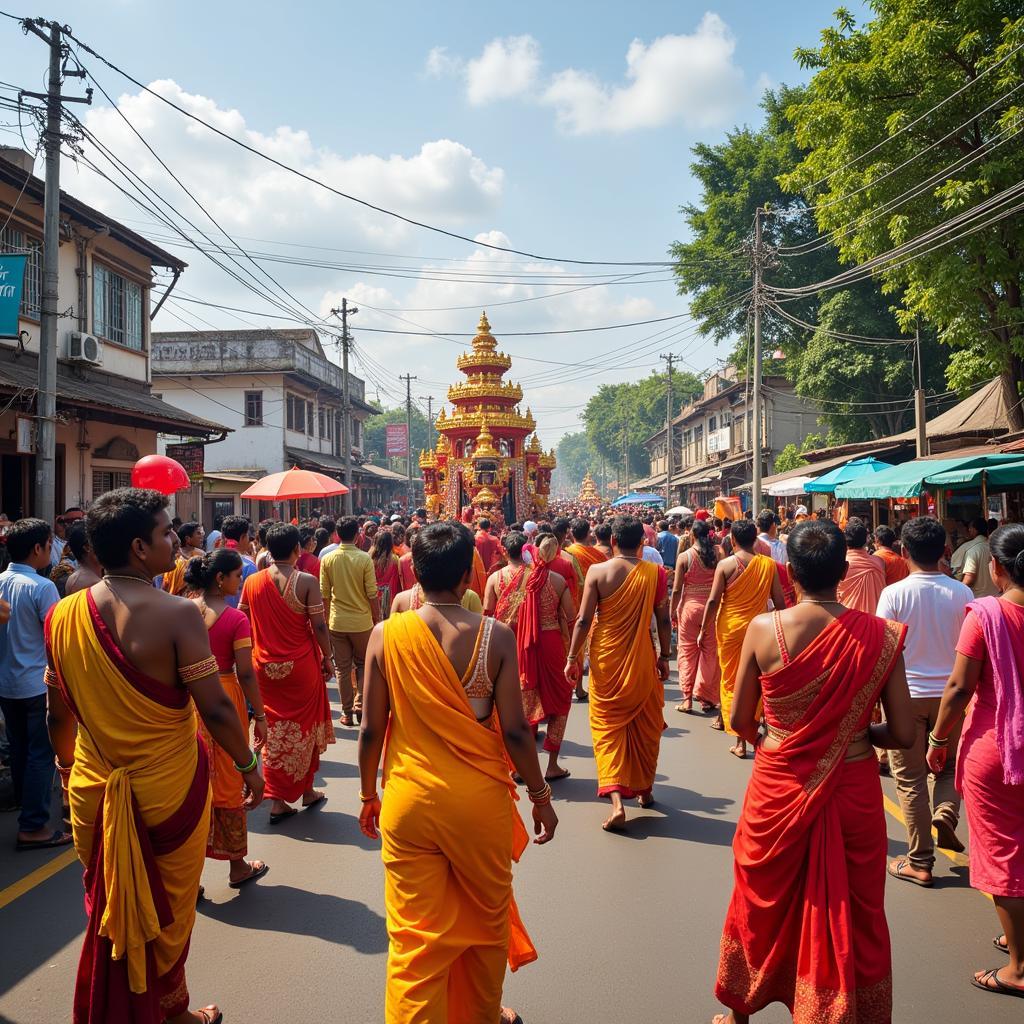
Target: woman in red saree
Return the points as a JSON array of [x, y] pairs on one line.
[[385, 567], [291, 652], [806, 925], [989, 668]]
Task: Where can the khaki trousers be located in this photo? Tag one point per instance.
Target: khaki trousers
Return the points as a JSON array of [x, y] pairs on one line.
[[349, 655], [910, 771]]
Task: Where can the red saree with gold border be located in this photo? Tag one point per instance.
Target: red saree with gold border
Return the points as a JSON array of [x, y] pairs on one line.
[[806, 925]]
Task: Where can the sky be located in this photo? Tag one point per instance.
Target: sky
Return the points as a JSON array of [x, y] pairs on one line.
[[559, 129]]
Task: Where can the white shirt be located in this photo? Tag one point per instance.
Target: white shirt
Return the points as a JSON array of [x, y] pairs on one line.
[[650, 554], [778, 548], [211, 539], [933, 607]]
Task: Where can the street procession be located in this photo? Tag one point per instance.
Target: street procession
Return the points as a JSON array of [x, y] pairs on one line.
[[515, 516]]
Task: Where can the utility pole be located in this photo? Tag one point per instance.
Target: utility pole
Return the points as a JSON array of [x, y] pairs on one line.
[[46, 399], [919, 420], [625, 460], [346, 406], [670, 359], [408, 378], [758, 433], [429, 399]]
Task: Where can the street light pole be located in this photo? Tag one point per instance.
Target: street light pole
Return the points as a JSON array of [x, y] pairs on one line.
[[346, 406]]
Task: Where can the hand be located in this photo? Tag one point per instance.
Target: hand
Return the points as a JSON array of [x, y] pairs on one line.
[[260, 732], [663, 669], [700, 639], [369, 818], [327, 666], [573, 671], [545, 821], [253, 789], [936, 758]]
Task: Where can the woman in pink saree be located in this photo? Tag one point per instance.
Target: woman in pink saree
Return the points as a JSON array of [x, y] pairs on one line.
[[987, 674]]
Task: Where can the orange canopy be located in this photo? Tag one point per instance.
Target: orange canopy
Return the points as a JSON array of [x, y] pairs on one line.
[[294, 483]]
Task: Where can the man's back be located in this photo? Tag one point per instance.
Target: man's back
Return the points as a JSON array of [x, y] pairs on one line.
[[668, 547], [22, 657], [489, 548], [349, 584]]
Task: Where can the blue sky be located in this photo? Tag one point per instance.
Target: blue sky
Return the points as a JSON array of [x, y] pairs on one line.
[[556, 128]]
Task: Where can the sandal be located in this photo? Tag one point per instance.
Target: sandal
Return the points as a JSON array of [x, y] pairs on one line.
[[276, 819], [718, 724], [1001, 988], [895, 869], [58, 838], [1001, 946], [254, 873], [563, 774], [685, 707], [321, 797]]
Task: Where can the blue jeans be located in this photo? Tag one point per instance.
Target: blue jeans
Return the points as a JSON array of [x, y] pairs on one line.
[[31, 758]]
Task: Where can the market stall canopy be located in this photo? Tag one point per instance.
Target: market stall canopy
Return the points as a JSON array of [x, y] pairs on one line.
[[292, 484], [789, 488], [911, 478], [638, 499], [1007, 474], [849, 471]]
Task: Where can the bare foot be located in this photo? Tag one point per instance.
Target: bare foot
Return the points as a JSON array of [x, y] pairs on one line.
[[207, 1015], [646, 800], [615, 821], [739, 750], [313, 796]]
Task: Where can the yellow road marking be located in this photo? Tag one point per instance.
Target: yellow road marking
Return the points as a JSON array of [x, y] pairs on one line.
[[37, 877], [957, 858]]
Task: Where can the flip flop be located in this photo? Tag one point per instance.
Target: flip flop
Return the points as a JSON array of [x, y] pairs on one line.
[[276, 819], [717, 725], [896, 871], [58, 839], [1001, 946], [254, 873], [684, 711], [565, 773], [207, 1014], [315, 803], [1001, 989]]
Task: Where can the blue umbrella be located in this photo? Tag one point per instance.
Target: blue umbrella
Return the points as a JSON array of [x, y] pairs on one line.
[[639, 499], [843, 474]]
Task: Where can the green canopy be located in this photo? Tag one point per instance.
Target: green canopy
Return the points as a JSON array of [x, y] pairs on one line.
[[910, 479], [1007, 474]]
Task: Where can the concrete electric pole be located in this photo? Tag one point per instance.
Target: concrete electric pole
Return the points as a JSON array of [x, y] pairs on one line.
[[758, 432], [346, 404], [408, 378], [669, 359]]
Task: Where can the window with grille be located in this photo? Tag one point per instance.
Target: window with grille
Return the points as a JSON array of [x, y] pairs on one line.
[[15, 240], [104, 480], [254, 408], [116, 307]]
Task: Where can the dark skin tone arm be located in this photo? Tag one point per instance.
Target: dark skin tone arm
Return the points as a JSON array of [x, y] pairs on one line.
[[247, 680], [60, 723], [308, 590], [508, 703], [584, 620], [962, 684], [682, 564]]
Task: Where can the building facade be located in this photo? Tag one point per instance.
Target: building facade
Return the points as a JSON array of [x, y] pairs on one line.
[[282, 399], [107, 414], [712, 438]]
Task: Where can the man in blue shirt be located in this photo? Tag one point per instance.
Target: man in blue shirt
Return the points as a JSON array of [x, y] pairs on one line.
[[23, 682], [235, 531], [668, 544]]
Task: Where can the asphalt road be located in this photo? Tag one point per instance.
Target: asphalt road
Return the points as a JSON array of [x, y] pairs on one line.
[[627, 926]]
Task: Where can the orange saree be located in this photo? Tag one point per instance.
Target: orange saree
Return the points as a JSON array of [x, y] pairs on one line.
[[746, 595], [450, 833], [140, 812], [806, 925], [288, 669], [626, 695]]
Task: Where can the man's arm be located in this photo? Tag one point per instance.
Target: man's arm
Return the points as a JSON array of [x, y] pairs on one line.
[[491, 594], [971, 569], [60, 723], [326, 591], [665, 638]]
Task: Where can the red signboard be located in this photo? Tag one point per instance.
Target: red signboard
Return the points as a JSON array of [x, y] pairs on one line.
[[396, 440]]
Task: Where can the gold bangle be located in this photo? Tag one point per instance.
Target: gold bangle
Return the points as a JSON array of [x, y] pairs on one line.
[[367, 799]]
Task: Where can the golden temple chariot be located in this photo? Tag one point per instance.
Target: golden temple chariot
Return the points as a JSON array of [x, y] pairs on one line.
[[485, 460], [588, 492]]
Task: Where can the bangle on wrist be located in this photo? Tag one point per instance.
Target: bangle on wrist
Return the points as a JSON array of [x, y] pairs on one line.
[[251, 766], [664, 657], [367, 799], [259, 718], [935, 742]]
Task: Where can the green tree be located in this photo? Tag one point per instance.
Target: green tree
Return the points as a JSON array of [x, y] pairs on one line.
[[789, 458], [635, 411], [373, 433], [908, 121]]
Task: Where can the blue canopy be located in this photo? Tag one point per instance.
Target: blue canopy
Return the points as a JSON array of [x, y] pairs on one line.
[[639, 499], [826, 483]]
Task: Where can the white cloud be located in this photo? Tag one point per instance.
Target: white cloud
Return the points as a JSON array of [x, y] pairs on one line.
[[440, 63], [691, 78], [507, 67]]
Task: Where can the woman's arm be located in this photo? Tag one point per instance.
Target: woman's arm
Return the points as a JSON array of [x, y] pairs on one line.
[[491, 594], [679, 584], [250, 687], [313, 599], [961, 687], [778, 594], [714, 600], [897, 731], [742, 717], [372, 731]]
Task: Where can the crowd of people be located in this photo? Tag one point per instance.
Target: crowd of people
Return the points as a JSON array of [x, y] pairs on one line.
[[177, 678]]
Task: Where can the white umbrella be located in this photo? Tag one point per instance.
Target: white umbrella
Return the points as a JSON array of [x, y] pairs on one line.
[[789, 488], [680, 510]]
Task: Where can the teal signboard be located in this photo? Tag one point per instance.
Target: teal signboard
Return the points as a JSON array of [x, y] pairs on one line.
[[12, 278]]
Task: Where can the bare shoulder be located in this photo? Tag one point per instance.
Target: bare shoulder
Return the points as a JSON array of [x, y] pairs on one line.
[[502, 637], [558, 582]]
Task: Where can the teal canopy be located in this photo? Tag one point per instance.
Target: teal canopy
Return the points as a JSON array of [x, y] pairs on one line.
[[639, 499], [1007, 474], [826, 483], [911, 478]]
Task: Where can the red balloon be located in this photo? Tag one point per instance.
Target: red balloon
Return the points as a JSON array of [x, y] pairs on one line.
[[159, 473]]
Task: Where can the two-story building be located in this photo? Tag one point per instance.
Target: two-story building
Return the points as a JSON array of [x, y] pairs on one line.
[[107, 416], [712, 438], [283, 400]]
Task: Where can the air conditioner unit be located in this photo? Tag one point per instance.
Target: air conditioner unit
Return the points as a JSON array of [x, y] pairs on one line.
[[85, 348]]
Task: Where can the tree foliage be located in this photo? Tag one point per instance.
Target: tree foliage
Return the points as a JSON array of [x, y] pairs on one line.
[[907, 122], [789, 458]]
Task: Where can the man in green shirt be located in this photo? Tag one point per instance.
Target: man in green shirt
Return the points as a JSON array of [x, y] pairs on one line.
[[349, 586]]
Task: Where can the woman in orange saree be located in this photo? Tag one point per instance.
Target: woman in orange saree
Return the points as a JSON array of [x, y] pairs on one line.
[[806, 924], [291, 652]]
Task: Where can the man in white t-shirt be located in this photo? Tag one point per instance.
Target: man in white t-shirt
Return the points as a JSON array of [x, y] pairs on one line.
[[970, 561], [933, 607]]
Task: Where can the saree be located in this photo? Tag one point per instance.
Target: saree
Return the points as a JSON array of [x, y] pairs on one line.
[[864, 581], [140, 805], [450, 832], [541, 647], [173, 582], [626, 695], [511, 592], [288, 669], [806, 924], [699, 671], [745, 596]]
